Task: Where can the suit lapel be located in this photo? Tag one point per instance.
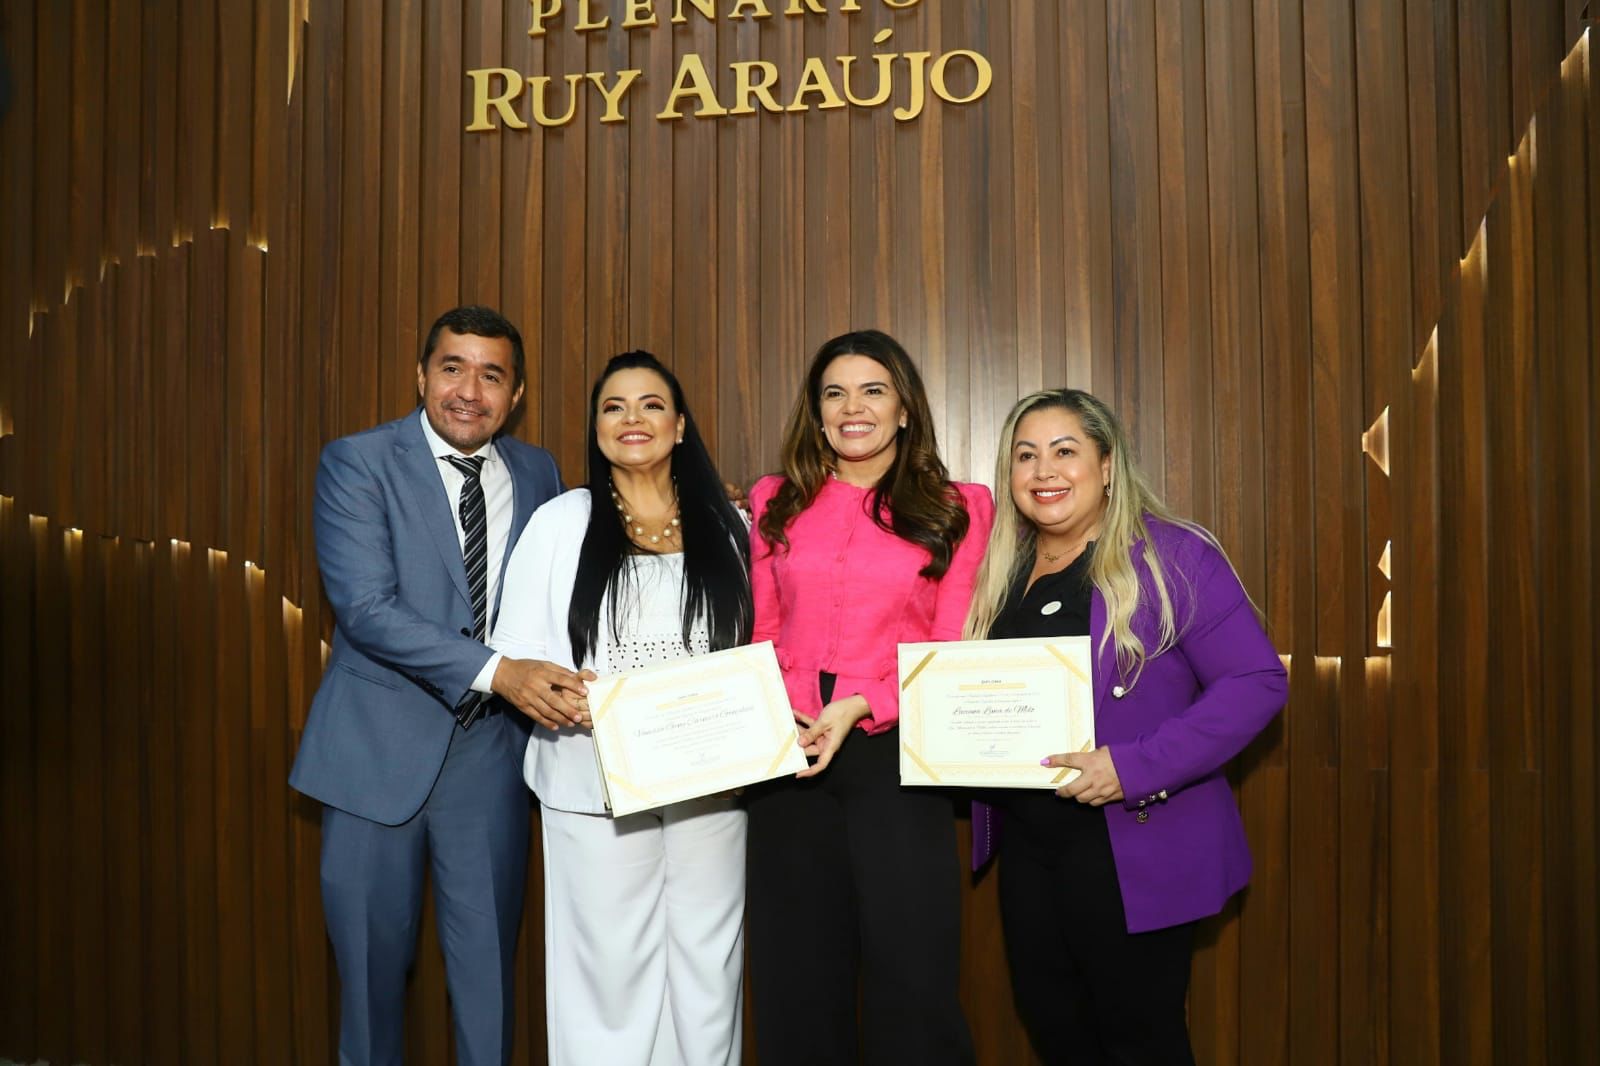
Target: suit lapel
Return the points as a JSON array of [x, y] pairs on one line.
[[427, 488]]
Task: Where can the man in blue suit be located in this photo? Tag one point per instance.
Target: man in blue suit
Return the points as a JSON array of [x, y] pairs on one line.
[[411, 754]]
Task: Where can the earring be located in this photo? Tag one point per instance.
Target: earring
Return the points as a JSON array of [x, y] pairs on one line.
[[1108, 490]]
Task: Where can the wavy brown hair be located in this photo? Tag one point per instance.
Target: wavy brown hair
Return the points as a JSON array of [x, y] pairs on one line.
[[914, 499]]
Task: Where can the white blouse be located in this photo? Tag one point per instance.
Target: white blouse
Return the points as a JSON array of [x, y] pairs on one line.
[[560, 764], [651, 618]]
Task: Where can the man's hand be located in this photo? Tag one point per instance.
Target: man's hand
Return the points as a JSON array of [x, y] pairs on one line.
[[551, 695], [737, 497]]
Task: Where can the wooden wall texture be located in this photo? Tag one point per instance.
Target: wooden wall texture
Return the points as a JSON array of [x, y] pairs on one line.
[[1257, 226]]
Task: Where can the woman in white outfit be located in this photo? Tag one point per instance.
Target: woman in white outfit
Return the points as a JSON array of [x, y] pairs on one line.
[[643, 915]]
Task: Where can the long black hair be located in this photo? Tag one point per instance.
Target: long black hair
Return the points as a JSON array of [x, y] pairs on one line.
[[716, 544]]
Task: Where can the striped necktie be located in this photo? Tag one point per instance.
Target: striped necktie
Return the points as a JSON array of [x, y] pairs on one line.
[[475, 554]]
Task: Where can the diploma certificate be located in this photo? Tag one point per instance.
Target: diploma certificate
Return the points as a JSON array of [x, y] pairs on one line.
[[692, 727], [982, 713]]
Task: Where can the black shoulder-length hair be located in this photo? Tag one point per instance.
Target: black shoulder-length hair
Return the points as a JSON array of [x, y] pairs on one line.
[[716, 544]]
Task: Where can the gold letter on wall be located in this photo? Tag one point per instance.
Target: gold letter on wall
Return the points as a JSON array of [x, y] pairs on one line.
[[692, 80], [542, 10], [482, 101]]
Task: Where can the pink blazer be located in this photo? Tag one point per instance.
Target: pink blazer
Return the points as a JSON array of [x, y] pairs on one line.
[[847, 592]]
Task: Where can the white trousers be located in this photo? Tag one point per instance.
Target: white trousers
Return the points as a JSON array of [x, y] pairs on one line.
[[644, 935]]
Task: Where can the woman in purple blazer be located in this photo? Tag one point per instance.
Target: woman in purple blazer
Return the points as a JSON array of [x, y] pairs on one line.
[[1101, 882]]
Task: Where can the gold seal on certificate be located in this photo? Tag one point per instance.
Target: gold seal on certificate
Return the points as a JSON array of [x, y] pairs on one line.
[[692, 727], [982, 713]]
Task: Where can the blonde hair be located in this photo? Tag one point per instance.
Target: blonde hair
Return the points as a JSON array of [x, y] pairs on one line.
[[1128, 509]]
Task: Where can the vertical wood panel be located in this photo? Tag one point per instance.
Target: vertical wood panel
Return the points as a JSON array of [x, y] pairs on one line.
[[232, 801], [1086, 237], [196, 141], [52, 804], [632, 295], [756, 380], [87, 63], [562, 311], [197, 823], [963, 179], [399, 327], [1514, 684], [481, 197], [1564, 224], [1041, 211], [16, 252], [1328, 774], [126, 696], [695, 307], [271, 931], [237, 85], [1136, 219], [1185, 258], [53, 104], [162, 866], [1466, 1007], [85, 807], [522, 218], [19, 837], [359, 215]]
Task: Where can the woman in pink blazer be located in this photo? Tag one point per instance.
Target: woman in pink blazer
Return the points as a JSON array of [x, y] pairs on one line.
[[1101, 883], [861, 544]]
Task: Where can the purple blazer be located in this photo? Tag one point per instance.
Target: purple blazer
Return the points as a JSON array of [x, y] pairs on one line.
[[1177, 838]]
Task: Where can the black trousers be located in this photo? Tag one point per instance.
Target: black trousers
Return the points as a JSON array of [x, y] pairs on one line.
[[1087, 990], [852, 876]]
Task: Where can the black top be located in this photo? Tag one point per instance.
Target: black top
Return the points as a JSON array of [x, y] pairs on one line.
[[1056, 606]]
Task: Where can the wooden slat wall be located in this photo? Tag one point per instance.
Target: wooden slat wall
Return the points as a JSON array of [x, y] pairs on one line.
[[1257, 227]]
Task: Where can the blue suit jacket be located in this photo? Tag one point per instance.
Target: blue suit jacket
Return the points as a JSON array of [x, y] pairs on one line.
[[403, 655]]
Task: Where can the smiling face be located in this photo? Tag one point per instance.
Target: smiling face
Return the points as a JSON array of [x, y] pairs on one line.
[[467, 388], [1058, 475], [861, 417], [635, 423]]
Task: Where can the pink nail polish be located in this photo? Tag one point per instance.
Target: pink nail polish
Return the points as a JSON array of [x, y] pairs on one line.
[[1045, 761]]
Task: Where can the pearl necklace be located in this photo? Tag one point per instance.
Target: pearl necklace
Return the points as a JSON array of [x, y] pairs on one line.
[[637, 531]]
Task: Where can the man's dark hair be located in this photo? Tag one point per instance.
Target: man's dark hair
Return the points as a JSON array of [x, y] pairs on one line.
[[477, 321]]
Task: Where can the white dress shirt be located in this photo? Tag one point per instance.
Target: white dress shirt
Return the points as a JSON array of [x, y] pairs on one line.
[[498, 503]]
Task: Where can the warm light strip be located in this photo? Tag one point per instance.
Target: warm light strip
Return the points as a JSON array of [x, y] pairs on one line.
[[215, 555], [1429, 357], [1476, 253], [1375, 442], [1426, 368]]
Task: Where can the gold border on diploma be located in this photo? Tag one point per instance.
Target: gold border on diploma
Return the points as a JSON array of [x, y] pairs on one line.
[[1017, 701], [692, 727]]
